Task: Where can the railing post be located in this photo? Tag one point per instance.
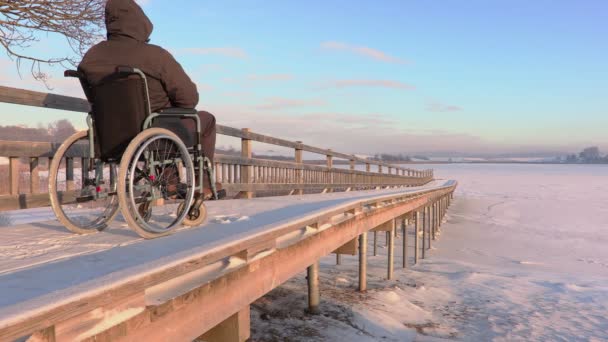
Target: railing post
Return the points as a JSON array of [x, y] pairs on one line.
[[300, 174], [69, 174], [330, 165], [368, 177], [313, 288], [353, 177], [363, 261], [246, 170], [13, 172], [34, 176]]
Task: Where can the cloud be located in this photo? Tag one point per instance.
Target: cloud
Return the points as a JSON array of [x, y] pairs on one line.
[[233, 52], [368, 83], [434, 106], [363, 51], [282, 103], [260, 78], [362, 133]]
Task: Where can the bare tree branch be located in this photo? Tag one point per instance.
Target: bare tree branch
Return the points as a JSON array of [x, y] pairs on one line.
[[23, 22]]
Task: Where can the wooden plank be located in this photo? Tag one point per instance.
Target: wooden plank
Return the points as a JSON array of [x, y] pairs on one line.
[[38, 99], [33, 149], [26, 201]]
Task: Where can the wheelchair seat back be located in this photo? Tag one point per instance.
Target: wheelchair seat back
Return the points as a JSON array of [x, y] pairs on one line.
[[120, 105], [119, 109]]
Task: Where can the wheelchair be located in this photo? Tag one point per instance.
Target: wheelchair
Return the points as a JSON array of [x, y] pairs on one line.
[[141, 162]]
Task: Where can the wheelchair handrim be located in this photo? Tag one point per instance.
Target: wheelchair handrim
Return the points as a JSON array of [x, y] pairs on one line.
[[189, 196]]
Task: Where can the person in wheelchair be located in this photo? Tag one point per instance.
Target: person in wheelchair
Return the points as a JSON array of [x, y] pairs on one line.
[[128, 33]]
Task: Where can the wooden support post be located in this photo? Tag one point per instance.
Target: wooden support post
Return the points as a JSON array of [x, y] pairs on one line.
[[391, 251], [375, 243], [404, 229], [313, 288], [425, 224], [14, 165], [246, 170], [34, 176], [46, 335], [300, 176], [430, 227], [416, 237], [387, 237], [363, 262], [338, 259], [433, 220], [236, 328]]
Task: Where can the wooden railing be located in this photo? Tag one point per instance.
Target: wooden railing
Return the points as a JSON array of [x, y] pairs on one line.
[[242, 176]]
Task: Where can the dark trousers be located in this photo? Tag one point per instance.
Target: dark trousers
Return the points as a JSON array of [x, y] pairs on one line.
[[207, 135]]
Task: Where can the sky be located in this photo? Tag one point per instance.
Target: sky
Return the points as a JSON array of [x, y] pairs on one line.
[[384, 76]]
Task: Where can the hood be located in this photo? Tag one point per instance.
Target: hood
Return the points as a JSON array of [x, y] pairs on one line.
[[124, 18]]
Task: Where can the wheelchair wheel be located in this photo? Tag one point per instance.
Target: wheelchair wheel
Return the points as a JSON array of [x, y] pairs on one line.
[[84, 202], [196, 215], [156, 176]]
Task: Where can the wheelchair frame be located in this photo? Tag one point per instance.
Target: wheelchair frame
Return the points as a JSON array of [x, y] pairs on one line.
[[194, 152]]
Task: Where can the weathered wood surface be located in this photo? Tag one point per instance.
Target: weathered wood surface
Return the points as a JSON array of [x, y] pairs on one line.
[[195, 311]]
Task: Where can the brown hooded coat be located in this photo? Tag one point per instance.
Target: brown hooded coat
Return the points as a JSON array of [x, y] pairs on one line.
[[129, 30]]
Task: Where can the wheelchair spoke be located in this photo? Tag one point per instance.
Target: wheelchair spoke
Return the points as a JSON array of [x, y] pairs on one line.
[[83, 198], [153, 200]]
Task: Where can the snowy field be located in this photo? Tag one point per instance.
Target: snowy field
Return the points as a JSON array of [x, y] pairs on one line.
[[523, 256]]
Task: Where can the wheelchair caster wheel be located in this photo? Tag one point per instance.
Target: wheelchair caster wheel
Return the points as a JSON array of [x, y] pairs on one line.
[[196, 215]]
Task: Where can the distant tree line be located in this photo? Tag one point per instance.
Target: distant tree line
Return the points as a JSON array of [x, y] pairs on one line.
[[57, 131], [393, 157], [590, 155]]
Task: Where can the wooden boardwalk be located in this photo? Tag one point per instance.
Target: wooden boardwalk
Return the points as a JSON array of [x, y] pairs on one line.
[[199, 282]]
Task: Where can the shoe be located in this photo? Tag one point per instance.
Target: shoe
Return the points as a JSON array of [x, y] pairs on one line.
[[208, 193]]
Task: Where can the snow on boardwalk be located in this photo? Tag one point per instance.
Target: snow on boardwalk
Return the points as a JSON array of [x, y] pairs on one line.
[[41, 263]]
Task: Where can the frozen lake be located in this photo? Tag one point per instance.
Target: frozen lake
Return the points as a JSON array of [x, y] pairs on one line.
[[523, 256]]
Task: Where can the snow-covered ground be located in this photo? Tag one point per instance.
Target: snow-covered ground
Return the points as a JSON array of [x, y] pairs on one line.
[[523, 257]]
